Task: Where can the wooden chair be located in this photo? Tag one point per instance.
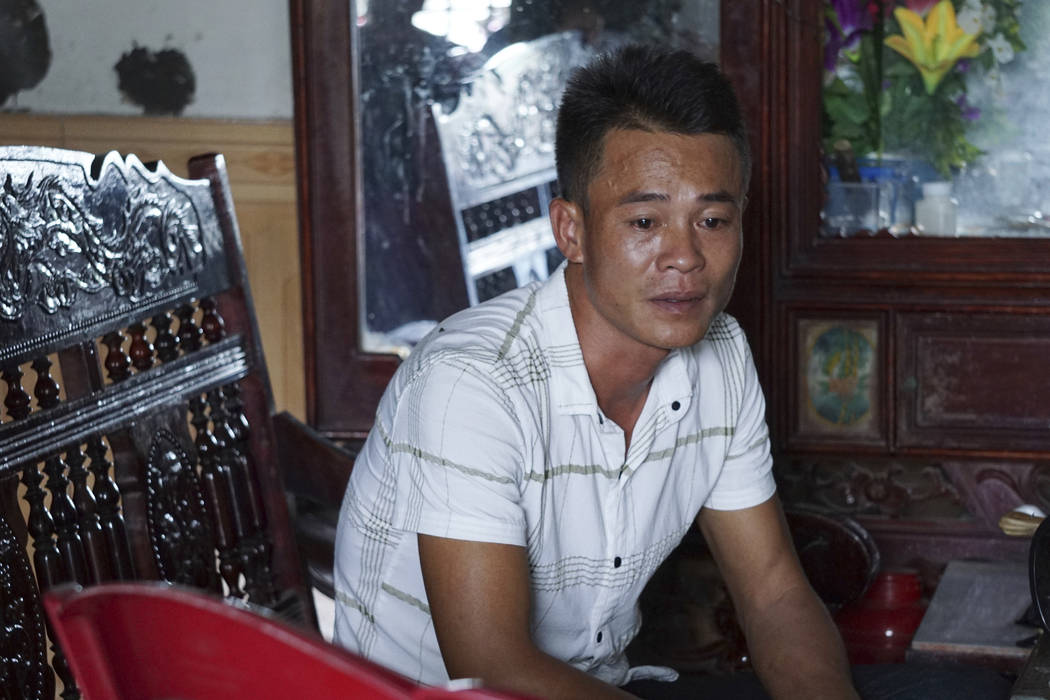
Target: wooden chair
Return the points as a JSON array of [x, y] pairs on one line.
[[137, 438], [138, 641]]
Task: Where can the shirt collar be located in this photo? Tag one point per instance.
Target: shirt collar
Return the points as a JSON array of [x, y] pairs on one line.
[[571, 390]]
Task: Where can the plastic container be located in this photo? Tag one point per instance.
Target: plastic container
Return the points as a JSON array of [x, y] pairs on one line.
[[935, 213]]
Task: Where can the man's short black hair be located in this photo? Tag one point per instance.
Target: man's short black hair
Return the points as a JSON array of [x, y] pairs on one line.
[[646, 88]]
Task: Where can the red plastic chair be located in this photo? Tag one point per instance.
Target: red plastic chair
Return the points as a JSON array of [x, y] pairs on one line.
[[153, 640]]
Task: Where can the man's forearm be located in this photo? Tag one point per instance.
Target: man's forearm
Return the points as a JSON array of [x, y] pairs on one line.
[[796, 649], [540, 675]]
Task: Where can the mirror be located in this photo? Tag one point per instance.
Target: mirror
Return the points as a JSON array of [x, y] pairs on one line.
[[456, 107]]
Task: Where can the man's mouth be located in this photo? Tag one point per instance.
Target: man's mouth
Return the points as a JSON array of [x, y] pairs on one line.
[[678, 303]]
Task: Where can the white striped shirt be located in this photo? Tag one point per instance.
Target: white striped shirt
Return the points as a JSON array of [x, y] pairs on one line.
[[490, 431]]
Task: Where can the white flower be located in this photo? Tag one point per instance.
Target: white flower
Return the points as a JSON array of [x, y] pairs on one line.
[[969, 20], [1004, 53], [988, 17]]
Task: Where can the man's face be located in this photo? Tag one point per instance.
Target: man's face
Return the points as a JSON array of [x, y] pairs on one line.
[[660, 244]]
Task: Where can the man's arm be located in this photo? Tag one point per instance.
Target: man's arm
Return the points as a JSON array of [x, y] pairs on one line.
[[794, 646], [479, 600]]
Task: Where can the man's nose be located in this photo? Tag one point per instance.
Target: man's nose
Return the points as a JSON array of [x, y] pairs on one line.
[[682, 248]]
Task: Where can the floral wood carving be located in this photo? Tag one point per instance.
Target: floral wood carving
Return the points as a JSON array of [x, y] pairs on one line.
[[179, 525], [23, 644], [899, 489], [55, 246]]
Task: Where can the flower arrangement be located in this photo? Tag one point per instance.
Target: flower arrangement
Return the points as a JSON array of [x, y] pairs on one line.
[[896, 73]]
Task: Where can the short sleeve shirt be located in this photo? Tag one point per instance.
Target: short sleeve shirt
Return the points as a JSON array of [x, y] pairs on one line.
[[491, 432]]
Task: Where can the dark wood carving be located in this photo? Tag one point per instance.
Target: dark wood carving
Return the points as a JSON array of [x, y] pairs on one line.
[[64, 516], [873, 488], [180, 529], [93, 539], [23, 641], [17, 400], [46, 389], [140, 352], [166, 344], [99, 476], [111, 520], [233, 432], [64, 242]]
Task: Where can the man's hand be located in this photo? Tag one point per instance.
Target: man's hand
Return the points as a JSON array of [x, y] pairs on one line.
[[479, 600], [795, 648]]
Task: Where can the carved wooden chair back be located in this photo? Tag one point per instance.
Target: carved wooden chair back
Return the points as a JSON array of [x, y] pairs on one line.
[[136, 439]]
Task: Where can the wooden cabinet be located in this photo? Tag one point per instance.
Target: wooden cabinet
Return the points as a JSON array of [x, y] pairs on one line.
[[907, 378]]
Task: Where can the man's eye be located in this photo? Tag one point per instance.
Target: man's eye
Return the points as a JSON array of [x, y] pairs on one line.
[[712, 222], [643, 223]]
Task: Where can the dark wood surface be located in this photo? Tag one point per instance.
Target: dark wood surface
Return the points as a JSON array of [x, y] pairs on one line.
[[136, 439], [973, 616], [343, 384]]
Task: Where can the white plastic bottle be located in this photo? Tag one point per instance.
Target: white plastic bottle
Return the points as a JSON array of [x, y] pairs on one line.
[[935, 212]]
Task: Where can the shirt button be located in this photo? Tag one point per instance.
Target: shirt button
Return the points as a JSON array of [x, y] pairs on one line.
[[675, 405], [599, 637], [616, 563]]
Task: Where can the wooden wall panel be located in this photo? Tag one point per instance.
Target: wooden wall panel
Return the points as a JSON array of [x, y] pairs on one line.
[[260, 160], [972, 381]]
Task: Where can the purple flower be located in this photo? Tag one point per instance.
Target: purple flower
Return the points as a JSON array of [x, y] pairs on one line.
[[967, 110], [852, 14], [854, 18]]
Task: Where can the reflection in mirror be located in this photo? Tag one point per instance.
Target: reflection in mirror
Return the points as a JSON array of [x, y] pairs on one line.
[[948, 147], [456, 115]]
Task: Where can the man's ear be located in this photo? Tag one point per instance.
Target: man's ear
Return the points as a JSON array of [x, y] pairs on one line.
[[567, 222]]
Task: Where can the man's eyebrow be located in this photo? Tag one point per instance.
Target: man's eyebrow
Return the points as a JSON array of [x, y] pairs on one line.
[[638, 196]]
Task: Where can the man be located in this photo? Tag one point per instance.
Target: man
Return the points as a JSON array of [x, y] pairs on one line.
[[538, 456]]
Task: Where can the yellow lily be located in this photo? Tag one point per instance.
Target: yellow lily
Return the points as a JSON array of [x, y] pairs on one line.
[[934, 45]]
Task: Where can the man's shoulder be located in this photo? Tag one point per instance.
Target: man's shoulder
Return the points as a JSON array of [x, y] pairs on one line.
[[482, 336]]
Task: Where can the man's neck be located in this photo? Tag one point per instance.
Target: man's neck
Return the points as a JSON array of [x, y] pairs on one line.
[[620, 372]]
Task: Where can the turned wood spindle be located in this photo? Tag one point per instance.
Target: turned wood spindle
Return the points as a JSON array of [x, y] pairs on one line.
[[64, 515], [189, 332], [110, 518], [46, 389], [166, 343], [94, 539], [47, 561], [17, 400], [117, 363], [141, 350], [231, 428], [218, 497], [212, 325]]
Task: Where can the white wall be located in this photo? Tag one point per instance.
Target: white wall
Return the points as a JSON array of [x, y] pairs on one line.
[[239, 50]]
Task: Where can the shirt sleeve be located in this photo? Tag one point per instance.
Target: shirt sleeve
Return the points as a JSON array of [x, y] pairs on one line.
[[455, 451], [747, 475]]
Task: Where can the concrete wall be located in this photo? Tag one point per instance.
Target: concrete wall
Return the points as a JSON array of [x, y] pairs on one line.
[[238, 50]]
